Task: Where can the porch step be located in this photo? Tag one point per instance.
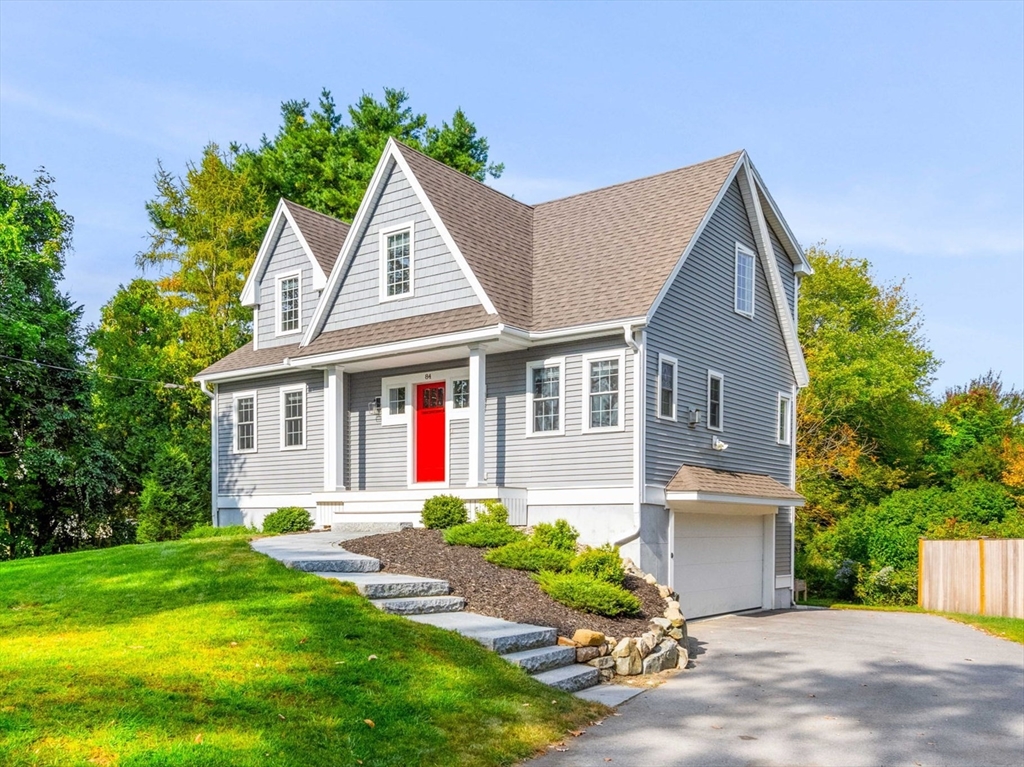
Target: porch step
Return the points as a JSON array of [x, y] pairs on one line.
[[502, 637], [420, 605], [335, 563], [570, 678], [387, 586], [542, 658]]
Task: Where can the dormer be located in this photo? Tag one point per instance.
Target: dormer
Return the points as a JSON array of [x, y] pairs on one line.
[[290, 272]]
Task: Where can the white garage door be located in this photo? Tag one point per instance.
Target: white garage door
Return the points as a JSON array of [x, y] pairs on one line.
[[718, 563]]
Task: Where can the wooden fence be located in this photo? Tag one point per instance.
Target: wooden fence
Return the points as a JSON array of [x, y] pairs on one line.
[[981, 577]]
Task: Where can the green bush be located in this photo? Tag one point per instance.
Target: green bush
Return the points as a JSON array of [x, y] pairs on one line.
[[888, 586], [561, 535], [209, 531], [494, 511], [444, 511], [170, 503], [603, 563], [587, 594], [288, 519], [482, 535], [527, 555]]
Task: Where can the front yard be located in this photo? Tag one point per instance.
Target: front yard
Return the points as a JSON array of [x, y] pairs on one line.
[[205, 653]]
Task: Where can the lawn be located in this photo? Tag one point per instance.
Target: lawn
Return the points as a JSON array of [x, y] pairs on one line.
[[205, 653], [1004, 628]]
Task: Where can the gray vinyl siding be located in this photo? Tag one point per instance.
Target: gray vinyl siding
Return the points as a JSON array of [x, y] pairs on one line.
[[376, 456], [458, 454], [785, 269], [271, 470], [576, 459], [287, 256], [438, 282], [783, 540], [696, 324]]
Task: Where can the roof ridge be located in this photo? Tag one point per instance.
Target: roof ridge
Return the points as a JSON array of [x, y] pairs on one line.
[[736, 154], [328, 216], [450, 169]]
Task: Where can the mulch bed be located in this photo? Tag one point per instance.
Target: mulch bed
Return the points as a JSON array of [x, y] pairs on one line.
[[498, 591]]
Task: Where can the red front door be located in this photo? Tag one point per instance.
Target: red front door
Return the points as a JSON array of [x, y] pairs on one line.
[[429, 432]]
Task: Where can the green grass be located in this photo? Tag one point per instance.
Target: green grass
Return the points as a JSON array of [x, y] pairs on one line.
[[1004, 628], [205, 653]]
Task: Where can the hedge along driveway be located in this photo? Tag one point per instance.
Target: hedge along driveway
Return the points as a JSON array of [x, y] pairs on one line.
[[203, 652]]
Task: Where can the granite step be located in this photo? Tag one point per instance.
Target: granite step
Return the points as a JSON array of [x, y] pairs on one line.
[[542, 658], [572, 678], [410, 606], [388, 586], [337, 563], [501, 636]]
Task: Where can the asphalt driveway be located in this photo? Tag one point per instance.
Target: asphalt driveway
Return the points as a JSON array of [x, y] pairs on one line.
[[823, 687]]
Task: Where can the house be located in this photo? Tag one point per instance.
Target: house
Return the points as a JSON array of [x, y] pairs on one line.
[[625, 359]]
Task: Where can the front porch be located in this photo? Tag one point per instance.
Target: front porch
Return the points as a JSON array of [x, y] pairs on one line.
[[391, 509]]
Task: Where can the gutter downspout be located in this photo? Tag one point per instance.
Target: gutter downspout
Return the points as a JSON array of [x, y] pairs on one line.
[[639, 417], [212, 394]]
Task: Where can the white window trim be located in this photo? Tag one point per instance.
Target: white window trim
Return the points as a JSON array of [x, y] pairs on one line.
[[736, 278], [387, 418], [675, 388], [305, 411], [789, 418], [530, 367], [383, 235], [277, 303], [721, 405], [598, 357], [456, 413], [235, 396]]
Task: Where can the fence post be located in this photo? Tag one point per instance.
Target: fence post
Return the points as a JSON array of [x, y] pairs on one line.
[[920, 572], [981, 578]]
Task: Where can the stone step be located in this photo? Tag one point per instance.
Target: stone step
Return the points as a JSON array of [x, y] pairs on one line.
[[495, 634], [387, 586], [342, 562], [569, 678], [420, 605], [542, 658]]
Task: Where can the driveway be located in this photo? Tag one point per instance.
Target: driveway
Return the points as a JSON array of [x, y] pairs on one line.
[[823, 687]]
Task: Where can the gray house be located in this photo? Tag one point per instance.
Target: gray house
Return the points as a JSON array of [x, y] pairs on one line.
[[625, 358]]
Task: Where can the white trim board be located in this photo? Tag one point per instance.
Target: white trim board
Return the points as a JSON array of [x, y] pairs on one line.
[[259, 266], [742, 500]]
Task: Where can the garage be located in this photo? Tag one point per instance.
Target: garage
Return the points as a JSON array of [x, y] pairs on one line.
[[719, 562]]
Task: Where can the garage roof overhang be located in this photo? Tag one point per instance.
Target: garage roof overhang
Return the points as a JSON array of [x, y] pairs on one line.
[[700, 490], [720, 503]]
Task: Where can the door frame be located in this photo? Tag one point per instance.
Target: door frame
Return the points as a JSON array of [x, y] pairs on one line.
[[414, 445]]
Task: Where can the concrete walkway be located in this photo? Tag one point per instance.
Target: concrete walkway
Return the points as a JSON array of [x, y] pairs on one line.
[[823, 687]]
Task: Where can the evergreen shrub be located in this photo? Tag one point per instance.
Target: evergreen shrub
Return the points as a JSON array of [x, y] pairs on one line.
[[288, 519], [444, 511], [560, 535], [587, 594], [482, 535], [527, 555], [603, 563]]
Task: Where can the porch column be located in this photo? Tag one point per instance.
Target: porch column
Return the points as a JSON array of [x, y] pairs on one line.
[[334, 431], [477, 402]]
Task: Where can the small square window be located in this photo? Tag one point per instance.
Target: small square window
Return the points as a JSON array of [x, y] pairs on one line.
[[460, 394]]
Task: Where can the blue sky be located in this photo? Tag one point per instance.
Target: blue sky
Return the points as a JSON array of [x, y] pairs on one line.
[[895, 132]]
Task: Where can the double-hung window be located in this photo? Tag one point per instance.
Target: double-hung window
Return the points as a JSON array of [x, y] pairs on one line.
[[289, 289], [244, 406], [785, 418], [293, 418], [666, 387], [602, 391], [545, 395], [396, 262], [744, 281], [716, 401], [460, 394]]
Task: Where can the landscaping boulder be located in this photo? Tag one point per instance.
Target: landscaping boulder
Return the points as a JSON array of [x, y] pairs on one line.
[[675, 617], [588, 638], [665, 592], [631, 664], [602, 662], [651, 579], [566, 642], [663, 623], [584, 654], [666, 656], [623, 648], [648, 641]]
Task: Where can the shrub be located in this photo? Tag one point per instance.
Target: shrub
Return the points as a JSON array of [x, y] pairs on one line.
[[170, 503], [444, 511], [888, 586], [561, 535], [209, 531], [587, 594], [527, 555], [494, 511], [482, 535], [603, 563], [288, 519]]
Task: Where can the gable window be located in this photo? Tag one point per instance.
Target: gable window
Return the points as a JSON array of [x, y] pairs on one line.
[[744, 280], [396, 262], [544, 395], [785, 419], [602, 391], [716, 400], [288, 312], [293, 418], [666, 387], [460, 393], [245, 422]]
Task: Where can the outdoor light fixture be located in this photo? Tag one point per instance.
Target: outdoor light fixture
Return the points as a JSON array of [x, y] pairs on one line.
[[694, 417], [717, 444], [373, 406]]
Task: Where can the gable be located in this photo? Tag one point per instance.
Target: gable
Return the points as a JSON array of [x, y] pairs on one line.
[[438, 281], [287, 257]]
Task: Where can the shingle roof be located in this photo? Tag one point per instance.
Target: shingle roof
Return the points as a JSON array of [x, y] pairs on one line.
[[702, 480], [324, 234], [360, 336]]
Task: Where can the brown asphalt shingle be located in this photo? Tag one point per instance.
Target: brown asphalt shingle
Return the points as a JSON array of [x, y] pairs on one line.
[[324, 234], [702, 480]]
